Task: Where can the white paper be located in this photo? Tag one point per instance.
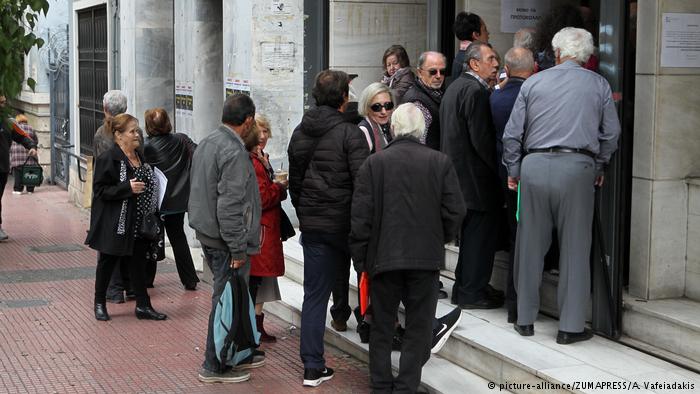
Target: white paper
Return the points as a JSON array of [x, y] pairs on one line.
[[278, 55], [680, 40], [517, 14], [162, 185]]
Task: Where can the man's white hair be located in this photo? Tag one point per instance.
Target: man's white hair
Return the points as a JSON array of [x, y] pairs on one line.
[[368, 95], [407, 119], [574, 42], [114, 102]]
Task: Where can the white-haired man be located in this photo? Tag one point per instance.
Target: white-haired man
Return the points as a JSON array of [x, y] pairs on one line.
[[113, 104], [403, 212], [565, 122]]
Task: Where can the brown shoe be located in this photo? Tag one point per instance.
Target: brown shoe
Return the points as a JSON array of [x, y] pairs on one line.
[[339, 326]]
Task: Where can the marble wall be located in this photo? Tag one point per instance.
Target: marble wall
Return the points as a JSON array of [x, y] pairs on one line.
[[199, 63], [666, 143], [146, 55]]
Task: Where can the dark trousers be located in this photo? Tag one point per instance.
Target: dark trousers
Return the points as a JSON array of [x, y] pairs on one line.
[[512, 223], [418, 290], [219, 262], [120, 280], [3, 182], [325, 255], [183, 259], [18, 187], [106, 264], [340, 310], [477, 248]]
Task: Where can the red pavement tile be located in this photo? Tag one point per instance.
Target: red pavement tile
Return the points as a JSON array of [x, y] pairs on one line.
[[56, 346]]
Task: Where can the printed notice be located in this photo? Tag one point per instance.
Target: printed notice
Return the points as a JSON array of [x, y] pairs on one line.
[[278, 55], [236, 86], [517, 14], [680, 40]]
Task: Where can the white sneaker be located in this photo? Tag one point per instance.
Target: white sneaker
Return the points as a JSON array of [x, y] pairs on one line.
[[16, 192]]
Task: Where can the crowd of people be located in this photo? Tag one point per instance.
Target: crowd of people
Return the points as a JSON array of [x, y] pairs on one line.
[[504, 154]]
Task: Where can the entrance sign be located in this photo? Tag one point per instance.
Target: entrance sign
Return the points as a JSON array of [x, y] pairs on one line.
[[680, 40], [516, 14]]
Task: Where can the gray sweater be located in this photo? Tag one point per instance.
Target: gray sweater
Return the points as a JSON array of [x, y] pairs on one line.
[[224, 205]]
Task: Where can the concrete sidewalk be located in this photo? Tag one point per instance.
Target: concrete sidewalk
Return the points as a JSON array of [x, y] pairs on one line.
[[51, 343]]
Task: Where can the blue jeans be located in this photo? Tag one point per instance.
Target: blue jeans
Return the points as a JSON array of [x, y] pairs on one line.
[[219, 262], [324, 256]]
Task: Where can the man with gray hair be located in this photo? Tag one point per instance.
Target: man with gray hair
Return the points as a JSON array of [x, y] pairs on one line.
[[469, 139], [426, 93], [524, 38], [519, 66], [113, 104], [401, 245], [560, 137]]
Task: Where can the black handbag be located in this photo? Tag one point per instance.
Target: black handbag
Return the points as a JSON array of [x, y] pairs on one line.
[[31, 174], [149, 228], [286, 227]]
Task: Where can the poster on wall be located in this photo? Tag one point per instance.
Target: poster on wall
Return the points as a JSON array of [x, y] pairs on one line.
[[184, 106], [278, 55], [680, 40], [517, 14], [235, 86]]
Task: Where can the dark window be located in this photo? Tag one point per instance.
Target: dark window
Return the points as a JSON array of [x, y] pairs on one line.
[[92, 71]]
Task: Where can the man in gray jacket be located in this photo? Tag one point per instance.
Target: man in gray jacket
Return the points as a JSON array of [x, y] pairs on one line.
[[224, 211]]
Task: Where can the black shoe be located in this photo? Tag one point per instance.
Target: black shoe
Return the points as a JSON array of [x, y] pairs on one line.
[[527, 330], [447, 324], [148, 313], [565, 338], [339, 326], [494, 293], [116, 299], [363, 329], [485, 303], [396, 342], [130, 296], [442, 294], [191, 286], [314, 377], [101, 312]]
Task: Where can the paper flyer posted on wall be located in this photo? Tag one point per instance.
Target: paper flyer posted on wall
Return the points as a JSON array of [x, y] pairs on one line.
[[680, 40], [517, 14]]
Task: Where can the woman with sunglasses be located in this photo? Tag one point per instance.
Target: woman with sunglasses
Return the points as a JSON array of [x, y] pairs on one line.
[[398, 75], [376, 106]]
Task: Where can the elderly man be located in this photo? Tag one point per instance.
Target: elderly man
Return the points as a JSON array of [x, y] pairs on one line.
[[564, 120], [519, 66], [401, 246], [426, 93], [9, 132], [224, 210], [325, 153], [468, 27], [469, 139]]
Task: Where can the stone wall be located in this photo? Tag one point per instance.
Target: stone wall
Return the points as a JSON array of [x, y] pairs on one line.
[[692, 271], [666, 143]]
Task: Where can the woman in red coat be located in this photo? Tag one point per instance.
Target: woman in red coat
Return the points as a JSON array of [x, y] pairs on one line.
[[269, 264]]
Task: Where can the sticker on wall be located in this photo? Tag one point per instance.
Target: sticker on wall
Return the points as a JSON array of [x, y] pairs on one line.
[[680, 40], [279, 8], [517, 14], [235, 86], [184, 106], [278, 55]]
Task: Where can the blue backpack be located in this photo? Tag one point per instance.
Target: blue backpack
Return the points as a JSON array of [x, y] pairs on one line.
[[235, 332]]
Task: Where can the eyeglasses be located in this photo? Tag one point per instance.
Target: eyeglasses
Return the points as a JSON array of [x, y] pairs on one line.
[[377, 107], [433, 71]]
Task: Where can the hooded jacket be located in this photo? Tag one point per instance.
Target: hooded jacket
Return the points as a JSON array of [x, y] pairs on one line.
[[172, 154], [323, 194]]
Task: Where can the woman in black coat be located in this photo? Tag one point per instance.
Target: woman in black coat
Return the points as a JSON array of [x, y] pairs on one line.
[[172, 154], [125, 191]]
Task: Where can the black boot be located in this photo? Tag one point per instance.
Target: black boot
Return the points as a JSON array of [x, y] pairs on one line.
[[101, 312], [148, 313]]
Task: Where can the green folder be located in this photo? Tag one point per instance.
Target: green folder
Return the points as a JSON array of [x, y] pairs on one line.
[[517, 211]]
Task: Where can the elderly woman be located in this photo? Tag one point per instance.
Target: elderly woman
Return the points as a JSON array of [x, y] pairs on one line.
[[398, 75], [376, 106], [269, 264], [172, 154], [124, 203], [19, 155]]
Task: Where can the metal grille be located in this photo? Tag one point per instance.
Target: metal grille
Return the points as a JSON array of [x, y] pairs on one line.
[[92, 72], [60, 109]]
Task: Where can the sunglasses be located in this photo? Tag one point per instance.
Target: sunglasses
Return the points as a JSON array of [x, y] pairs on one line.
[[434, 72], [377, 107]]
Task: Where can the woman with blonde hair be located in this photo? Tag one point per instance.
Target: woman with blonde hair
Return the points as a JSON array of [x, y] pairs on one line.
[[124, 204], [376, 106]]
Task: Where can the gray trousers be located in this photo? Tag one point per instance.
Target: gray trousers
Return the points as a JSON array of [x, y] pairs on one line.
[[556, 191]]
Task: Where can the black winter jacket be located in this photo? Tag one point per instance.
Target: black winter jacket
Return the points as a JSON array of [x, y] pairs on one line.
[[111, 232], [407, 205], [468, 137], [172, 154], [419, 93], [322, 200]]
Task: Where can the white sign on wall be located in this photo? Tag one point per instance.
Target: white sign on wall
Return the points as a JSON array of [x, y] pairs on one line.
[[517, 14], [680, 40]]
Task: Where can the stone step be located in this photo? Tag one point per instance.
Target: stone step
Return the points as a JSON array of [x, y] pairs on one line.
[[487, 345], [670, 327]]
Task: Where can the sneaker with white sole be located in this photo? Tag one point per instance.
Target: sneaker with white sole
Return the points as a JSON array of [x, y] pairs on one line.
[[231, 376], [251, 362], [315, 376], [447, 324]]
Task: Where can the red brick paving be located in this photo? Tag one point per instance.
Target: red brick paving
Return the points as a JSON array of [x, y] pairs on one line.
[[58, 347]]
